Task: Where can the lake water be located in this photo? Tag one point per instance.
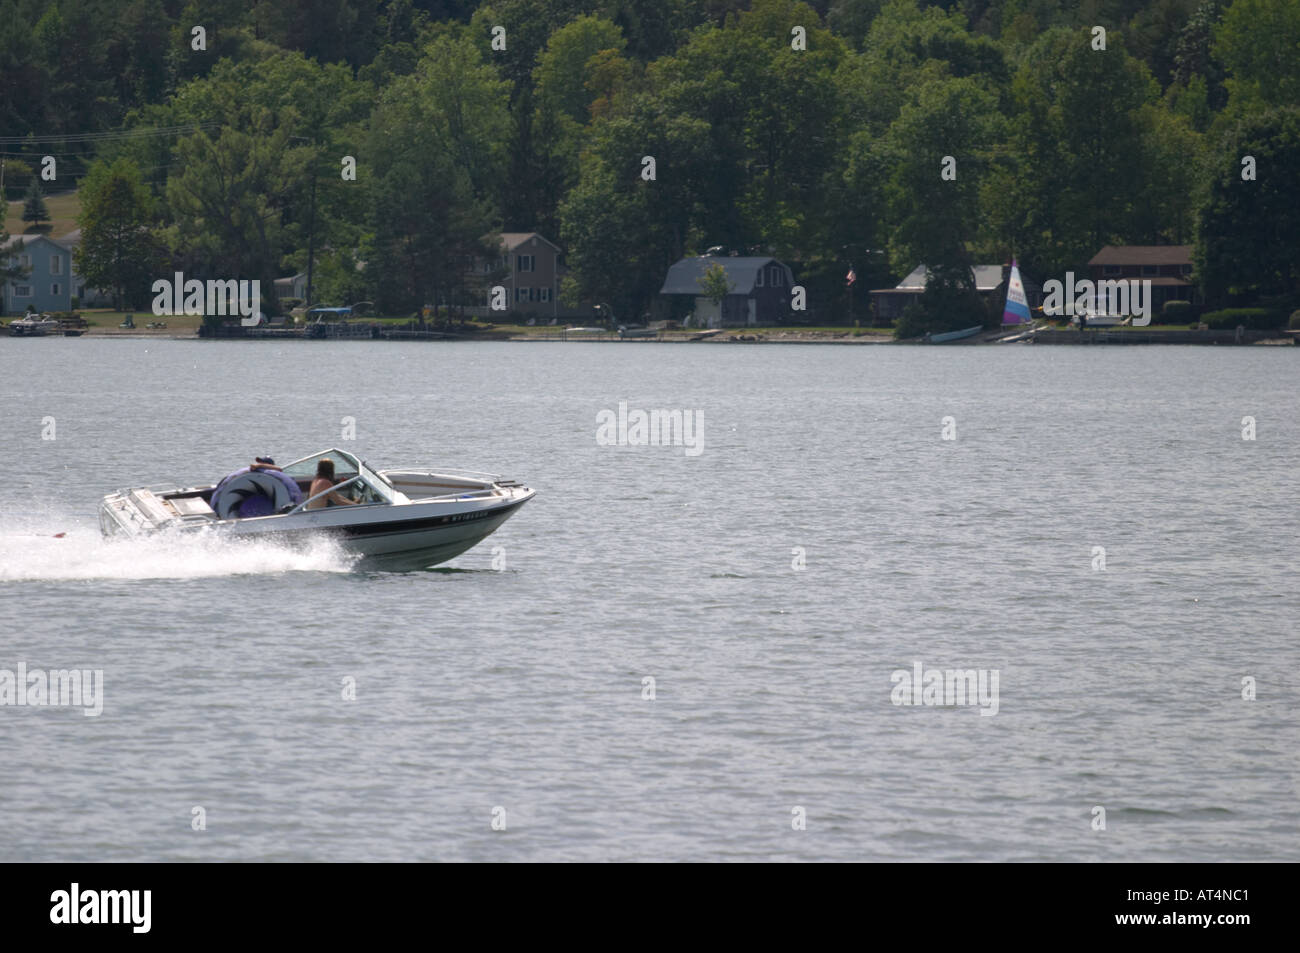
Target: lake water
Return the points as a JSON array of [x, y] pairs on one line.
[[1119, 688]]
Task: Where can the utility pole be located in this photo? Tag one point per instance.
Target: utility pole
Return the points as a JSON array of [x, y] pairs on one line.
[[311, 236]]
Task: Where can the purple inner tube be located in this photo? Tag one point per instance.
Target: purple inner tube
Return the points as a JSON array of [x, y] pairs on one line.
[[255, 501]]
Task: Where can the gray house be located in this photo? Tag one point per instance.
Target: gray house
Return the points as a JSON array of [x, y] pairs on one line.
[[295, 286], [760, 290], [48, 285]]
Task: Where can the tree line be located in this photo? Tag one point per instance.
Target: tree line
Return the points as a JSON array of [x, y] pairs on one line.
[[872, 134]]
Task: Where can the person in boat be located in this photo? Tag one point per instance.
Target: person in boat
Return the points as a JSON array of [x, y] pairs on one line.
[[323, 481]]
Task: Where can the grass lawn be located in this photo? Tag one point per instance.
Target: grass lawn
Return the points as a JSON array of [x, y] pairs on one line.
[[64, 209], [101, 319], [543, 330]]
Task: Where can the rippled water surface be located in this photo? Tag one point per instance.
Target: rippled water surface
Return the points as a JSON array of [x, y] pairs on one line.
[[476, 689]]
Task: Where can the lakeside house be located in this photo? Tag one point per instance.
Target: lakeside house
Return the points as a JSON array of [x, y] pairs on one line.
[[760, 290], [1167, 267], [990, 283], [294, 286], [533, 266], [49, 281]]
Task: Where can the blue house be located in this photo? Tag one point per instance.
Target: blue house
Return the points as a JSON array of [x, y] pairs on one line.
[[48, 266]]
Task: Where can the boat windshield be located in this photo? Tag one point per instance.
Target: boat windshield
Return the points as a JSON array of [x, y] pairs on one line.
[[346, 466]]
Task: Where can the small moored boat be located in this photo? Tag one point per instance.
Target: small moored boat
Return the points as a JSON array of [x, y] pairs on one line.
[[33, 325], [947, 336]]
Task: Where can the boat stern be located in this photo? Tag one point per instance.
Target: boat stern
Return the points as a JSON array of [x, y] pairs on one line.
[[140, 512]]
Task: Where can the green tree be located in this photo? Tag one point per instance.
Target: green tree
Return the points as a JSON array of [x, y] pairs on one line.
[[586, 48], [939, 148], [1171, 172], [1258, 42], [34, 208], [23, 92], [9, 270], [230, 198], [525, 192], [437, 138], [1248, 231], [1193, 59], [118, 249], [137, 46], [295, 203], [714, 283], [560, 77], [1073, 171]]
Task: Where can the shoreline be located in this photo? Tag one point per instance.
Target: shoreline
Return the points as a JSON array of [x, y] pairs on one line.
[[739, 336]]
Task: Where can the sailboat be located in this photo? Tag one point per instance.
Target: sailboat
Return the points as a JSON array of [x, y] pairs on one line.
[[1015, 313]]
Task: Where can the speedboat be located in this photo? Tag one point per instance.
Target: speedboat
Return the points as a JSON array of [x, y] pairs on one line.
[[33, 325], [402, 518]]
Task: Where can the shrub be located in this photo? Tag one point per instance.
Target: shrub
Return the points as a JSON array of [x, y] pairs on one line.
[[1177, 312], [1253, 319], [911, 323], [1295, 320]]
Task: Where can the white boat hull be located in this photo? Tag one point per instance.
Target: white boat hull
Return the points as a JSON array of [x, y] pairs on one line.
[[428, 517], [412, 536]]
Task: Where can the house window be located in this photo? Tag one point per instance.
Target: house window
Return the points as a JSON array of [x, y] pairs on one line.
[[759, 282], [523, 294], [25, 261], [544, 294], [778, 278], [1112, 270], [56, 264], [526, 262], [54, 289], [1150, 270], [22, 291], [1186, 269]]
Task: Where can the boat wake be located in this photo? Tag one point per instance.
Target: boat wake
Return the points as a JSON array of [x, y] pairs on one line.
[[44, 551]]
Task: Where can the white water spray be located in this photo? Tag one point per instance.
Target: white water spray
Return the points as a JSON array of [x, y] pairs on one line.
[[30, 551]]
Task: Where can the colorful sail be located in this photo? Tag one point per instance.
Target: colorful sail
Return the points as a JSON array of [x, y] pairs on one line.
[[1016, 310]]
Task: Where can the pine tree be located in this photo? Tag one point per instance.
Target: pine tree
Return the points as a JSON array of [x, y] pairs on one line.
[[34, 210]]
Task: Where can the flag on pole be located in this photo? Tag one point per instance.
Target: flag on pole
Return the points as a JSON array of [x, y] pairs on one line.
[[851, 276]]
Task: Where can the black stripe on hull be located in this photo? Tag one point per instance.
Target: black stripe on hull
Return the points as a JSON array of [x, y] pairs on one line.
[[394, 527], [420, 525]]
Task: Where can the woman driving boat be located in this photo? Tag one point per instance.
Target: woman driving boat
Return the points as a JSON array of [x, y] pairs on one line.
[[323, 481]]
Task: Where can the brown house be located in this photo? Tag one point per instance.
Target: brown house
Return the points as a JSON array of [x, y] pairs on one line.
[[533, 267], [1167, 267]]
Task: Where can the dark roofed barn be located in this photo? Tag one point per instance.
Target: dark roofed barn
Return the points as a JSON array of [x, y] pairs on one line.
[[760, 292]]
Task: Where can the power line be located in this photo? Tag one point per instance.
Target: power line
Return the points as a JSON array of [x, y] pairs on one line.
[[112, 136]]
